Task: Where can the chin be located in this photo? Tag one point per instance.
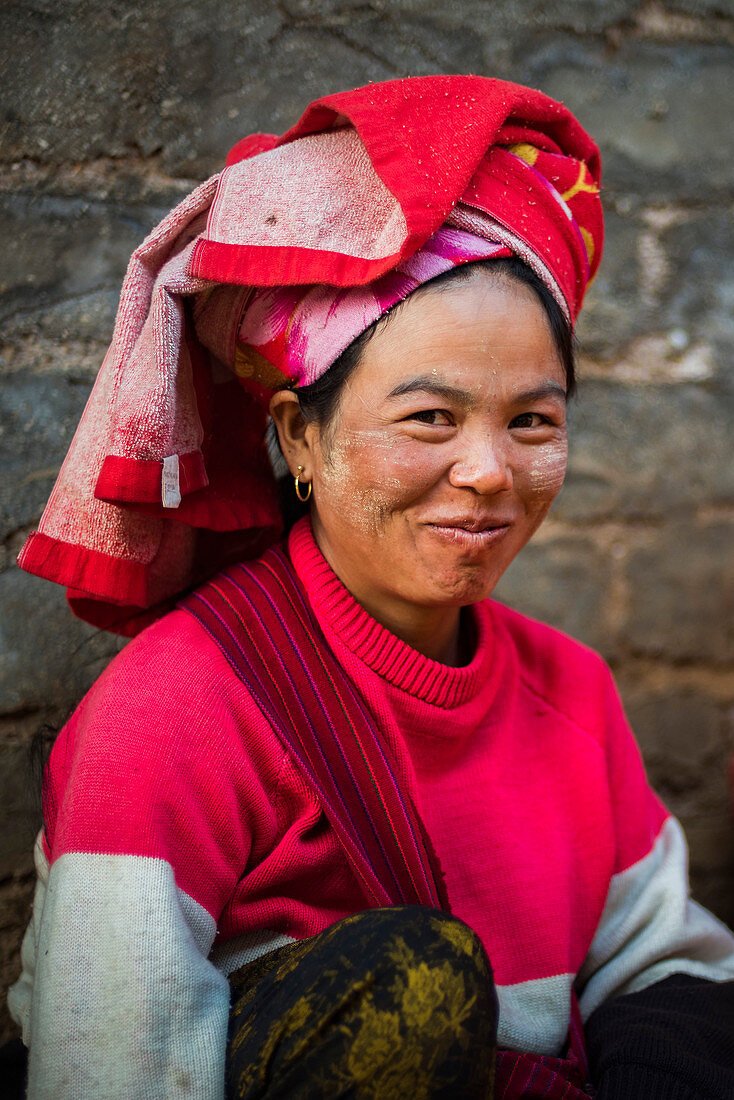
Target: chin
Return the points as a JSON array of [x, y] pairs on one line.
[[461, 590]]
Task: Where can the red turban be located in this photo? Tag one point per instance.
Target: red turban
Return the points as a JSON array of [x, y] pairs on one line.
[[167, 478]]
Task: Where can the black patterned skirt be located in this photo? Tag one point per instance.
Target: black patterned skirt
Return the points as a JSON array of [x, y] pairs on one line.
[[391, 1003]]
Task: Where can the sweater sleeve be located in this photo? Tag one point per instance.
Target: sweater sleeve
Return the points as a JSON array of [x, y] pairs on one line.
[[660, 966], [671, 1041], [125, 1002], [152, 810], [650, 928]]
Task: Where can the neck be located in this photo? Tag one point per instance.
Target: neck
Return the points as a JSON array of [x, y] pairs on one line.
[[433, 631]]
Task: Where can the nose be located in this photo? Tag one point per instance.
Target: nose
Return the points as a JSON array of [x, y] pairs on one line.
[[483, 466]]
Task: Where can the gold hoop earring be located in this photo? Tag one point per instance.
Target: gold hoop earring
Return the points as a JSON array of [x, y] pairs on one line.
[[302, 499]]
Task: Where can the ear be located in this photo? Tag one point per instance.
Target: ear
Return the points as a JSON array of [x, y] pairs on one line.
[[295, 435]]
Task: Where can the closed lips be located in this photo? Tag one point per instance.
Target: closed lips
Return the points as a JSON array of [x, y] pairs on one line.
[[473, 525]]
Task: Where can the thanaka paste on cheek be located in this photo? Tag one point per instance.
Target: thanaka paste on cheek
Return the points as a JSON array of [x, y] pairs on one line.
[[384, 474], [548, 470]]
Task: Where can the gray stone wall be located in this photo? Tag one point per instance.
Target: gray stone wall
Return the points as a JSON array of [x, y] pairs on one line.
[[111, 113]]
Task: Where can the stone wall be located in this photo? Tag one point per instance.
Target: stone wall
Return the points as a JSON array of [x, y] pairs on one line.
[[111, 112]]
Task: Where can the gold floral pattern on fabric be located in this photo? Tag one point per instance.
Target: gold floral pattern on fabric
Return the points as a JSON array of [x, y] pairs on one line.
[[385, 1004]]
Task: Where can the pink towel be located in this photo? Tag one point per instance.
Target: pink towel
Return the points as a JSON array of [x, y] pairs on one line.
[[167, 478]]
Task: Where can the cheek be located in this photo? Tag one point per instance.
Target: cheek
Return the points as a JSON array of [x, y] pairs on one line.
[[369, 475], [544, 476]]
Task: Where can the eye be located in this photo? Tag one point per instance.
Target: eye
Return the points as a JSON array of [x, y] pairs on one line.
[[529, 420], [431, 416]]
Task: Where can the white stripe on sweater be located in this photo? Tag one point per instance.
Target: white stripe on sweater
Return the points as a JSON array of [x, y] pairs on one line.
[[120, 943], [233, 954], [534, 1015], [125, 1002], [650, 928]]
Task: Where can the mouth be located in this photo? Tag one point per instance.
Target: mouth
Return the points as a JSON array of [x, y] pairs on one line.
[[470, 533]]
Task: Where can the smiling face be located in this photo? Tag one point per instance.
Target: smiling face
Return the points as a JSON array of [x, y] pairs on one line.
[[445, 453]]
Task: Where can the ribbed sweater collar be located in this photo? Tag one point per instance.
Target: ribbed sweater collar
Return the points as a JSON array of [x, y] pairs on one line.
[[383, 652]]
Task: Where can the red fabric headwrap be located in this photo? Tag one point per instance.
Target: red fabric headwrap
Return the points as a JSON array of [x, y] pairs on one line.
[[166, 478], [429, 139]]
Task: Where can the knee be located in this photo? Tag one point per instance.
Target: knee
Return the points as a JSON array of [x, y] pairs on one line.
[[446, 935], [428, 1012], [394, 1001], [431, 932], [435, 965], [445, 964]]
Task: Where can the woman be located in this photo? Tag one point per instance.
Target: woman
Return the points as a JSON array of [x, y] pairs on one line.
[[407, 824]]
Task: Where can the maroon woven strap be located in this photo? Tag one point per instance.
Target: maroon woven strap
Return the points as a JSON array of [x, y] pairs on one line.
[[260, 618], [565, 1078]]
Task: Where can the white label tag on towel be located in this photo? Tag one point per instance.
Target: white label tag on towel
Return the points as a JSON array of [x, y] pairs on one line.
[[170, 487]]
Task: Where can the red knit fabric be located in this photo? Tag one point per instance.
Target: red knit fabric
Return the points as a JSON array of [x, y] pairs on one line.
[[455, 733], [175, 812], [260, 618]]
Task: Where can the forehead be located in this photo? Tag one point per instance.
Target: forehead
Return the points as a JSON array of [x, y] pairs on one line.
[[482, 327]]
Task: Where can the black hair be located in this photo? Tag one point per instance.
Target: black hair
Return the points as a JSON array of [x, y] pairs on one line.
[[320, 400]]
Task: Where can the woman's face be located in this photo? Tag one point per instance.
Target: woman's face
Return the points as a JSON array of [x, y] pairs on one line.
[[446, 451]]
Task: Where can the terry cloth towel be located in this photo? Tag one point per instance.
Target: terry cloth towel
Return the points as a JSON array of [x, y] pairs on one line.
[[291, 335], [167, 477]]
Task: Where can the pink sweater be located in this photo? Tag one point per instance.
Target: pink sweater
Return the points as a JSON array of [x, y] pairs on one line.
[[181, 841]]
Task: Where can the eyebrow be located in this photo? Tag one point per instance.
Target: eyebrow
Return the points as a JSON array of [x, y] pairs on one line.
[[547, 389], [426, 384]]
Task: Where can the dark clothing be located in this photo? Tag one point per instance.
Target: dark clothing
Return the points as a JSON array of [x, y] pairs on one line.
[[389, 1003], [673, 1041]]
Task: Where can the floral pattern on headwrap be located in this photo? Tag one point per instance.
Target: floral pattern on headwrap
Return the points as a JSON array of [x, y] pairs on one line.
[[296, 333]]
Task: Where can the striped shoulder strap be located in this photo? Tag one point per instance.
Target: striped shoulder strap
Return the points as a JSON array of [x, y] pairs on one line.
[[260, 618]]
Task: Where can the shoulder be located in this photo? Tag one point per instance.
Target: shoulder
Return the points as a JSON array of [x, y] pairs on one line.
[[565, 673], [166, 752], [171, 660], [168, 701], [546, 653]]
